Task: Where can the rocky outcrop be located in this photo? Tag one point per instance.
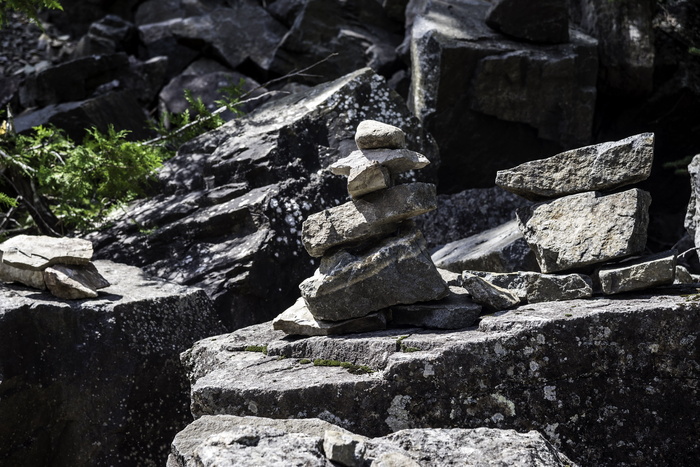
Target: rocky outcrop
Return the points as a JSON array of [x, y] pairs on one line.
[[97, 381], [546, 22], [225, 440], [540, 366], [692, 216]]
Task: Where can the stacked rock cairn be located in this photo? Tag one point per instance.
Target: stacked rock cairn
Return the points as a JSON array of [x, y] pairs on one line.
[[585, 222], [372, 256], [61, 265]]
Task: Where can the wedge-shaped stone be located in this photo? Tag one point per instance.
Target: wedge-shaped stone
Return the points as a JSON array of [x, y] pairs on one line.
[[456, 311], [396, 160], [36, 252], [592, 168], [396, 271], [74, 282], [368, 178], [372, 134], [487, 294], [534, 287], [298, 320], [27, 277], [638, 274], [370, 216], [586, 229]]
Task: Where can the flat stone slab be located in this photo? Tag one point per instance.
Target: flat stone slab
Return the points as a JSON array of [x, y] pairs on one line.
[[641, 273], [456, 311], [373, 215], [395, 160], [585, 229], [372, 134], [37, 252], [536, 367], [534, 287], [74, 282], [598, 167]]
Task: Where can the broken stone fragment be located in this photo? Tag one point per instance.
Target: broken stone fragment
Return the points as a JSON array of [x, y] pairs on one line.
[[27, 277], [598, 167], [545, 21], [456, 311], [372, 134], [638, 274], [298, 320], [487, 294], [395, 160], [398, 270], [347, 449], [514, 282], [683, 276], [74, 282], [367, 179], [585, 229], [373, 215], [36, 252], [534, 287]]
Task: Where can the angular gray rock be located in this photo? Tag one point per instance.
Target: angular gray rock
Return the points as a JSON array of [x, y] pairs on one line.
[[37, 252], [514, 282], [456, 311], [74, 282], [372, 215], [638, 274], [543, 21], [396, 160], [346, 449], [501, 249], [28, 277], [599, 167], [368, 178], [485, 293], [683, 276], [123, 345], [585, 229], [539, 367], [397, 270], [298, 320], [692, 215], [372, 134], [534, 287]]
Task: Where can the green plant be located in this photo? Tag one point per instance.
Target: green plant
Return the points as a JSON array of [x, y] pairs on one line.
[[351, 367], [30, 8], [400, 346], [257, 348], [304, 361]]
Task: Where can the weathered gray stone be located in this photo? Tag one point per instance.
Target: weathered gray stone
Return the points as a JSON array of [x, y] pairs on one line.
[[487, 294], [552, 287], [398, 270], [683, 276], [359, 219], [543, 21], [450, 278], [394, 459], [298, 320], [585, 229], [501, 249], [74, 282], [599, 167], [372, 134], [638, 274], [514, 282], [27, 277], [538, 367], [37, 252], [456, 311], [346, 449], [368, 178], [692, 215], [396, 160]]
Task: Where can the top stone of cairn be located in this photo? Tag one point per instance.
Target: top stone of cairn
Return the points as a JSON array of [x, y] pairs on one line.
[[599, 167], [36, 253], [371, 134]]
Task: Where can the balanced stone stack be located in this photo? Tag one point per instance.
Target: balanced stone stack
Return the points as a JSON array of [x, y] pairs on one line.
[[372, 256], [584, 223], [61, 265]]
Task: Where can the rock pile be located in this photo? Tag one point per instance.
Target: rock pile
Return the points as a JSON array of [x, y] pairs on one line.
[[372, 256], [580, 227], [61, 265]]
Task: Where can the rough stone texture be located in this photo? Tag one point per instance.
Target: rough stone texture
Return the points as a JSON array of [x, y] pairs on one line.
[[609, 382], [465, 75], [74, 282], [501, 249], [585, 229], [396, 160], [344, 448], [37, 252], [683, 276], [34, 279], [232, 201], [377, 135], [515, 282], [360, 219], [456, 311], [692, 216], [397, 270], [543, 21], [488, 294], [368, 178], [298, 320], [599, 167], [100, 375], [638, 274], [551, 287]]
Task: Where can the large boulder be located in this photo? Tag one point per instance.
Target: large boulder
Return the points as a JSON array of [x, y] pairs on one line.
[[545, 21], [607, 381], [692, 217], [467, 76], [98, 381], [229, 218]]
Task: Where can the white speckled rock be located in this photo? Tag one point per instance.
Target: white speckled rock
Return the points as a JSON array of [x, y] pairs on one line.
[[638, 274], [372, 134], [396, 160]]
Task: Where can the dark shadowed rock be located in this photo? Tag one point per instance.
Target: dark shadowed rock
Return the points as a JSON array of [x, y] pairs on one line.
[[585, 229], [456, 311], [692, 216], [553, 367], [100, 375], [543, 21], [600, 167], [638, 274]]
